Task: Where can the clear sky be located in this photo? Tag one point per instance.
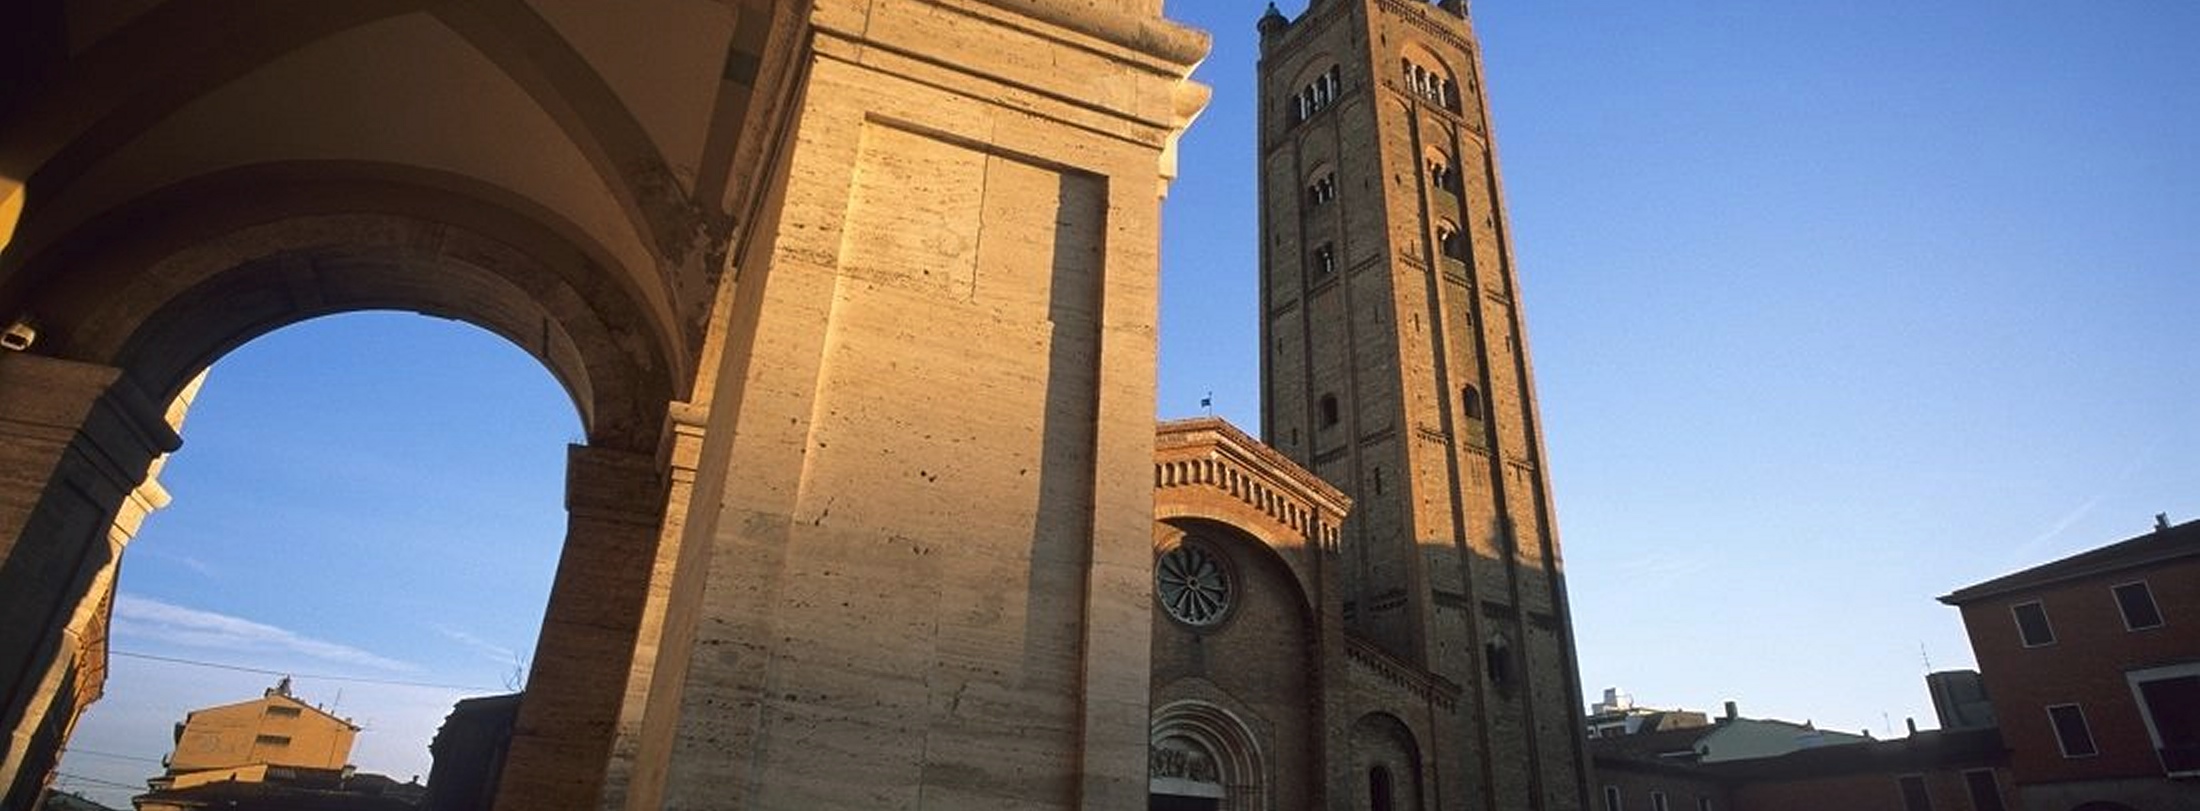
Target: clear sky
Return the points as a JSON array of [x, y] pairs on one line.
[[1835, 307]]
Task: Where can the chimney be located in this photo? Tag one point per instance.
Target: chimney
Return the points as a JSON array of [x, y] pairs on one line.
[[1732, 712], [1912, 722], [2161, 521]]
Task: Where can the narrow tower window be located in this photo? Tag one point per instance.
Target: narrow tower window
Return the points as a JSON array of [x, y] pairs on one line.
[[1323, 189], [1325, 259], [1378, 789], [1470, 402], [1497, 659], [1329, 410], [1449, 243]]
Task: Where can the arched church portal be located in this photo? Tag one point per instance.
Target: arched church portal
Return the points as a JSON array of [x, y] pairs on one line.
[[1202, 758]]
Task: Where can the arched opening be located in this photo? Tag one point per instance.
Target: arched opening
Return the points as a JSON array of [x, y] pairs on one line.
[[1379, 788], [1385, 749], [368, 504], [142, 311], [1203, 758]]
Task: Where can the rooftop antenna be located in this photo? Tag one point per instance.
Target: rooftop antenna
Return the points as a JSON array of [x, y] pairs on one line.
[[1921, 654]]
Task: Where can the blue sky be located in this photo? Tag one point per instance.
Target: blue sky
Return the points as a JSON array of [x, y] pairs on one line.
[[1835, 308]]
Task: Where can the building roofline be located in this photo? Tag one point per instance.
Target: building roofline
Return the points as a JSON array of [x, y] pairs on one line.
[[1183, 432], [2161, 545]]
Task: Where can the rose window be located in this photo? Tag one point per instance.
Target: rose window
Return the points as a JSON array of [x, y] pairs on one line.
[[1192, 585]]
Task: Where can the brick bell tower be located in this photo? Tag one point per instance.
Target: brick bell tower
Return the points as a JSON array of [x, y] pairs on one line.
[[1394, 365]]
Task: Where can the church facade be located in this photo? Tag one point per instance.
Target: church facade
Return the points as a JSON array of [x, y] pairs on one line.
[[856, 299]]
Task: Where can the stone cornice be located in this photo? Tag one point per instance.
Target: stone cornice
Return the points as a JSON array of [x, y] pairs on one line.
[[1148, 34], [1208, 451], [1418, 15], [1427, 686]]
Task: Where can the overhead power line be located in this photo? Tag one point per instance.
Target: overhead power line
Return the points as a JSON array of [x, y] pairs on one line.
[[321, 676], [111, 755], [98, 782]]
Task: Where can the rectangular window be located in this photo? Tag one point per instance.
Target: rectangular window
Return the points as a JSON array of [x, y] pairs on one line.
[[1611, 799], [1914, 796], [2169, 702], [272, 740], [283, 712], [2032, 624], [2071, 733], [2137, 603], [1657, 801], [1985, 791]]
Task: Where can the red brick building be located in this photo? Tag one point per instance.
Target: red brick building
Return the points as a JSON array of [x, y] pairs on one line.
[[2092, 663]]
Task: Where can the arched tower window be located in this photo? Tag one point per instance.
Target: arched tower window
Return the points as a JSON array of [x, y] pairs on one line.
[[1470, 402], [1440, 173], [1431, 82], [1323, 189], [1317, 95], [1325, 259], [1379, 789], [1449, 242], [1329, 410]]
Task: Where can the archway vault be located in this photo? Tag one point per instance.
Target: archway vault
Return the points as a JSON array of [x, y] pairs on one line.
[[155, 292], [162, 288]]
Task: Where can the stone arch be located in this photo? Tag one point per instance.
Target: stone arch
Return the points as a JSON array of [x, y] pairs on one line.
[[1383, 748], [139, 302], [1424, 74], [1200, 750], [1250, 552], [163, 287], [160, 63]]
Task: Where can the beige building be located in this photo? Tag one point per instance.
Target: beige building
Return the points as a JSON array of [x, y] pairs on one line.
[[241, 742], [856, 299]]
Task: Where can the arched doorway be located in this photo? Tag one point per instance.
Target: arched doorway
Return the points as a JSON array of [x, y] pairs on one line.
[[1203, 758], [146, 312]]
